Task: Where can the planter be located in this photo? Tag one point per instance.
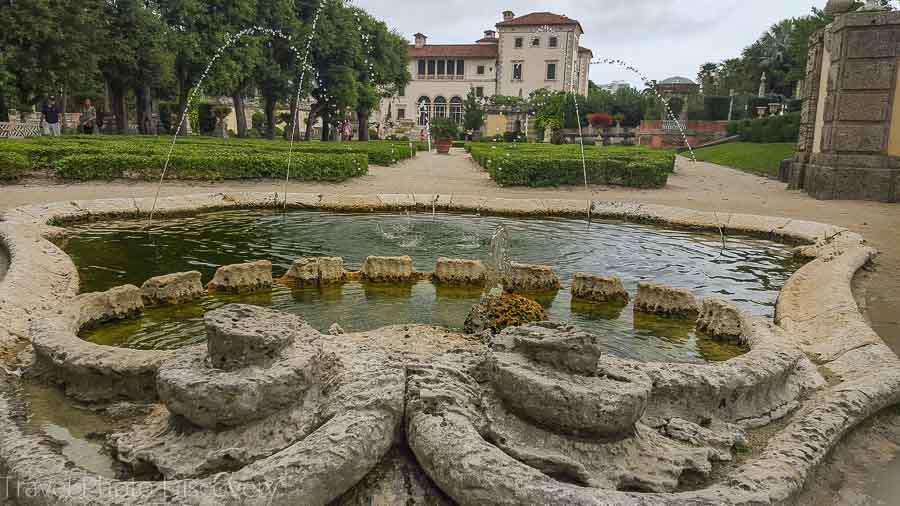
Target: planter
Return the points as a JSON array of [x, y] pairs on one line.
[[443, 146]]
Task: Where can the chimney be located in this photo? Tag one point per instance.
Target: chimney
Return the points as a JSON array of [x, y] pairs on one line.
[[421, 39], [490, 34], [508, 15]]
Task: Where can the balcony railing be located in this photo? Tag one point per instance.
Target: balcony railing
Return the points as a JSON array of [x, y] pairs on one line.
[[440, 77]]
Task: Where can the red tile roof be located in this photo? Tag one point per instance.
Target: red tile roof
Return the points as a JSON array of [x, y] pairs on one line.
[[493, 40], [540, 18], [454, 51]]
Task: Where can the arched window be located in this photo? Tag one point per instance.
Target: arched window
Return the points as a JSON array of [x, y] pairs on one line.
[[440, 107], [456, 110], [424, 110]]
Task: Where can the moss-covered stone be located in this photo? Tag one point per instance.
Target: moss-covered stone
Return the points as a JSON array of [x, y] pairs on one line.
[[497, 312]]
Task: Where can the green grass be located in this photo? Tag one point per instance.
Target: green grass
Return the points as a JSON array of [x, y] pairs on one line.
[[763, 159]]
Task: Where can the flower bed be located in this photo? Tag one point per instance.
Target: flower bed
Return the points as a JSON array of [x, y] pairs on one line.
[[550, 165]]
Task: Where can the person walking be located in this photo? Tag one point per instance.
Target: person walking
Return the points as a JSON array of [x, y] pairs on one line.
[[88, 117], [50, 115]]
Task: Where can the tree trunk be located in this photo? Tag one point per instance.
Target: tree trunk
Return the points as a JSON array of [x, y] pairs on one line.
[[118, 104], [4, 109], [326, 128], [311, 121], [144, 102], [182, 104], [289, 131], [240, 113], [269, 99], [363, 115]]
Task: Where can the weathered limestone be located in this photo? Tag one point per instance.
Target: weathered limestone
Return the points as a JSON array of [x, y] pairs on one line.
[[114, 304], [388, 269], [239, 335], [315, 271], [242, 278], [172, 289], [554, 378], [663, 300], [599, 288], [453, 271], [215, 398], [720, 319], [531, 278]]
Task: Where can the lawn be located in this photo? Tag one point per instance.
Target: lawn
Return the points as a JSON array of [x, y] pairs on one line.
[[762, 159]]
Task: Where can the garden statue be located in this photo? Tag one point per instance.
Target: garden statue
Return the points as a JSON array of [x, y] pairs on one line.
[[762, 85]]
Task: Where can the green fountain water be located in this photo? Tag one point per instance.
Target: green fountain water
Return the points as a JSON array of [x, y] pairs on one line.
[[749, 272]]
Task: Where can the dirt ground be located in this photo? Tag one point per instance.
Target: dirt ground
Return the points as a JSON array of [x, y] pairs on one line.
[[700, 186]]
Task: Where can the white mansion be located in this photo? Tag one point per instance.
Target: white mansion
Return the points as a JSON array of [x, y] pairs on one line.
[[525, 53]]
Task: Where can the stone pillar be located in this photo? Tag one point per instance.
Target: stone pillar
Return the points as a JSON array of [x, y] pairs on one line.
[[855, 152]]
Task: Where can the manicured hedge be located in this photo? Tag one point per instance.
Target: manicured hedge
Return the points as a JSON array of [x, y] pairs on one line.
[[304, 166], [42, 153], [12, 166], [767, 130], [548, 165]]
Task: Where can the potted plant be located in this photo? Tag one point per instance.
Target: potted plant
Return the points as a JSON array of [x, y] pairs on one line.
[[443, 132]]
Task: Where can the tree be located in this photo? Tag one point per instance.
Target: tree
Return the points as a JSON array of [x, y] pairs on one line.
[[134, 56], [383, 69], [473, 113], [53, 47], [707, 77]]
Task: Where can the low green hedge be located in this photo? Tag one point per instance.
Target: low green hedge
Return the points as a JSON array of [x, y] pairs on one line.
[[544, 165], [43, 153], [226, 165], [767, 130], [12, 166]]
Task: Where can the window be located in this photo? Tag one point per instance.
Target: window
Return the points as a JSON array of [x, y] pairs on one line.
[[441, 67], [481, 70], [456, 110], [519, 42], [460, 67], [451, 67], [422, 67], [401, 114], [431, 67], [517, 72], [402, 92], [440, 107], [424, 110], [536, 42], [554, 41], [551, 72], [479, 91]]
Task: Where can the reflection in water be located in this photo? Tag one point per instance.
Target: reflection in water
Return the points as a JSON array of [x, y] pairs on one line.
[[750, 272], [76, 430]]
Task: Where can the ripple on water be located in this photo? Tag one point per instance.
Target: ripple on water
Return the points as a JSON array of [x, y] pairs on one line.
[[748, 271]]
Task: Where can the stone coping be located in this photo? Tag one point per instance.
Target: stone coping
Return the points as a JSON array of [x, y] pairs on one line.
[[816, 313]]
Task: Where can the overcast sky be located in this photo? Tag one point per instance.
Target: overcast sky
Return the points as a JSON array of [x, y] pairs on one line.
[[663, 38]]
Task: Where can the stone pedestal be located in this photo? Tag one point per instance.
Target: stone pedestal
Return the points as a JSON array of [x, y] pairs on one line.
[[849, 144]]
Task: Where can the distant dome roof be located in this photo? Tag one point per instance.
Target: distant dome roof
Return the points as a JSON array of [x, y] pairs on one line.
[[677, 80]]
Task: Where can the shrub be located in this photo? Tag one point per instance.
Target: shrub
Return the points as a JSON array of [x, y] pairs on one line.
[[12, 166], [304, 166], [444, 129], [600, 120], [542, 165], [768, 130]]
